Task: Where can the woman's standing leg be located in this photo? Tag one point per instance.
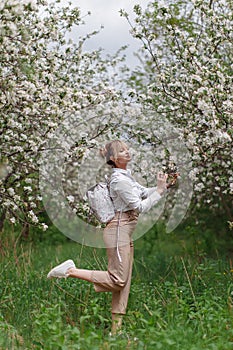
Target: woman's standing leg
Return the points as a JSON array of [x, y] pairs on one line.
[[120, 298]]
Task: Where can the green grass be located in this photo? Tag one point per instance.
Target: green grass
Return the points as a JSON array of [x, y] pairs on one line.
[[176, 301]]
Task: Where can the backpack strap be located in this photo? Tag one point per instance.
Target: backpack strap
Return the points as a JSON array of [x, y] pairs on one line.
[[118, 235], [108, 180]]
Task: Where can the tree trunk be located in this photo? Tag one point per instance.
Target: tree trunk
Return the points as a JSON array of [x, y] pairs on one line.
[[25, 231], [2, 219]]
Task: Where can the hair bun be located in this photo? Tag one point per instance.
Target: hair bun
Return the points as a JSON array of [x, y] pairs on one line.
[[103, 152]]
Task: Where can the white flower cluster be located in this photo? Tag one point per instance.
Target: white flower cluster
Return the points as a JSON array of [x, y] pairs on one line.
[[188, 81], [45, 79]]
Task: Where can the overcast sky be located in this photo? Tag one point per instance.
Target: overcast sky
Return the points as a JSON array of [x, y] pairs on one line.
[[116, 29]]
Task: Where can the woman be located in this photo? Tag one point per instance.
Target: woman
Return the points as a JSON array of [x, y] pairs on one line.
[[129, 200]]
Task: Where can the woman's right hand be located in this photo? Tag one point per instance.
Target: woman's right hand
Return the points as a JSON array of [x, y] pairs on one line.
[[161, 182]]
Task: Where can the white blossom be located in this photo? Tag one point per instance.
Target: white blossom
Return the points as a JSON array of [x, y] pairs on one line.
[[70, 199], [11, 191], [13, 220], [44, 226], [27, 188], [33, 217]]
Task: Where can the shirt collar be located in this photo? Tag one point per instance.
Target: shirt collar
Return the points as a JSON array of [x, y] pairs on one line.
[[121, 171]]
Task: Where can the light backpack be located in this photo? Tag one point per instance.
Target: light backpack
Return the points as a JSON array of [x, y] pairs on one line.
[[100, 202]]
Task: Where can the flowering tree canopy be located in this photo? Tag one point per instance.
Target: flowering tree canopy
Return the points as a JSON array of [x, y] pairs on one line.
[[186, 77], [45, 78], [58, 106]]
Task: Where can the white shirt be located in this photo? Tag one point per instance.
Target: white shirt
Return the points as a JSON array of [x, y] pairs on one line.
[[127, 194]]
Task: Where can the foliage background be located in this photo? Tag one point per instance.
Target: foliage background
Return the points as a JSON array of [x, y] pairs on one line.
[[181, 296]]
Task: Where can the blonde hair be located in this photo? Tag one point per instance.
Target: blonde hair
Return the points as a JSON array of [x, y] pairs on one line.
[[111, 150]]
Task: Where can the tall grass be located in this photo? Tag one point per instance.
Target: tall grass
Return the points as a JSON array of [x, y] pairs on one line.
[[176, 301]]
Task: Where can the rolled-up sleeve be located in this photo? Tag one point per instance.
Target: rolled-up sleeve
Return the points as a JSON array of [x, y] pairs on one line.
[[126, 192], [132, 200]]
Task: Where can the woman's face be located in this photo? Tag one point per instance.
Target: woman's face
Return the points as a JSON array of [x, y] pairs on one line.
[[123, 156]]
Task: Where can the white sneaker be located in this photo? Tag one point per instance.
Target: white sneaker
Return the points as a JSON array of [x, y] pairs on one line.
[[60, 271]]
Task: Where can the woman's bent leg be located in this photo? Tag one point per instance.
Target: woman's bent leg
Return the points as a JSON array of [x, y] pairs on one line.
[[103, 281], [85, 275], [116, 277], [120, 298]]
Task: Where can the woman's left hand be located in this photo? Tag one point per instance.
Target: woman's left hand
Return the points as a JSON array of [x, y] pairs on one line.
[[161, 182]]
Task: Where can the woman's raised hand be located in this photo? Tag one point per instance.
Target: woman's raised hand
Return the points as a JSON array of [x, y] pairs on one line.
[[161, 182]]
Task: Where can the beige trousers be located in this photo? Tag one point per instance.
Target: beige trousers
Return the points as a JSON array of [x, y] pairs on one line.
[[117, 278]]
